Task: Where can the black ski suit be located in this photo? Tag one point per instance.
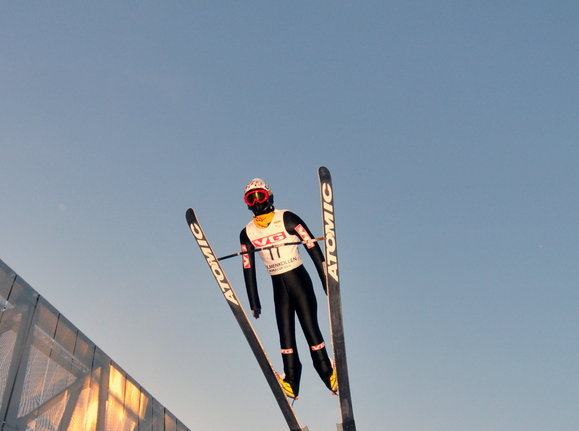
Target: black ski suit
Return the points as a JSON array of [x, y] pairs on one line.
[[293, 289]]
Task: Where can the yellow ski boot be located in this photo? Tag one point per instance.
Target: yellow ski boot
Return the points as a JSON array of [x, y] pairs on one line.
[[331, 381], [334, 381], [287, 388]]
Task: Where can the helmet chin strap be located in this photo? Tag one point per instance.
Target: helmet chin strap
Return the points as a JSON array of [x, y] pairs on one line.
[[257, 211]]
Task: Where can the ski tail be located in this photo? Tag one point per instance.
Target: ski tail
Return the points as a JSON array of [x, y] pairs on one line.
[[334, 299]]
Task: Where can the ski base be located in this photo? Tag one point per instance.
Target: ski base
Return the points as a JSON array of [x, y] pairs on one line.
[[334, 300]]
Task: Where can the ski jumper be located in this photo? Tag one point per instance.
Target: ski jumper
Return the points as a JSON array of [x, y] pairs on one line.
[[293, 289]]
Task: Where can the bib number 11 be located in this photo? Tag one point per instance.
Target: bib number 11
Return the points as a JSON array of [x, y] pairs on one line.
[[274, 253]]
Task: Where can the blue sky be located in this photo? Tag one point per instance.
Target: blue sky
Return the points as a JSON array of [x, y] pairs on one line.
[[451, 129]]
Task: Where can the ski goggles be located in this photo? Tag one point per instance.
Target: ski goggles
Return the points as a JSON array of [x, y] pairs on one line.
[[256, 196]]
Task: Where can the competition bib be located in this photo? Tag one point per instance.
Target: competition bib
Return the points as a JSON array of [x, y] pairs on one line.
[[277, 260]]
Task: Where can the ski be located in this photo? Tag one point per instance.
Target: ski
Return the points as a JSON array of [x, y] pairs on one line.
[[334, 300], [244, 322]]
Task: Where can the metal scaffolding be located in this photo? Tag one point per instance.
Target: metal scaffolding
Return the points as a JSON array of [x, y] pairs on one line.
[[53, 378]]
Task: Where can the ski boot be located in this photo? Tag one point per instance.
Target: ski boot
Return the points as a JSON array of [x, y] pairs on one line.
[[287, 386], [331, 381]]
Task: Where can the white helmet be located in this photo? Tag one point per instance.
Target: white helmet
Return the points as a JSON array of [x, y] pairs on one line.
[[257, 183]]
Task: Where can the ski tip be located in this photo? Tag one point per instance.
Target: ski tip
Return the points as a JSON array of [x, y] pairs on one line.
[[323, 172], [190, 215]]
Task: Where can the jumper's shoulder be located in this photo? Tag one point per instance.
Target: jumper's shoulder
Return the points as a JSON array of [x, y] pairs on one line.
[[243, 237], [289, 215], [291, 219]]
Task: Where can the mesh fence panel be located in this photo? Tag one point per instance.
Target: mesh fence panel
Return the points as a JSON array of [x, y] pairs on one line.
[[50, 418], [7, 343], [85, 415], [53, 378], [45, 376]]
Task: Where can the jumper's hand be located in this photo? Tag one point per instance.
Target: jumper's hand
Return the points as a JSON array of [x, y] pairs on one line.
[[256, 313]]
